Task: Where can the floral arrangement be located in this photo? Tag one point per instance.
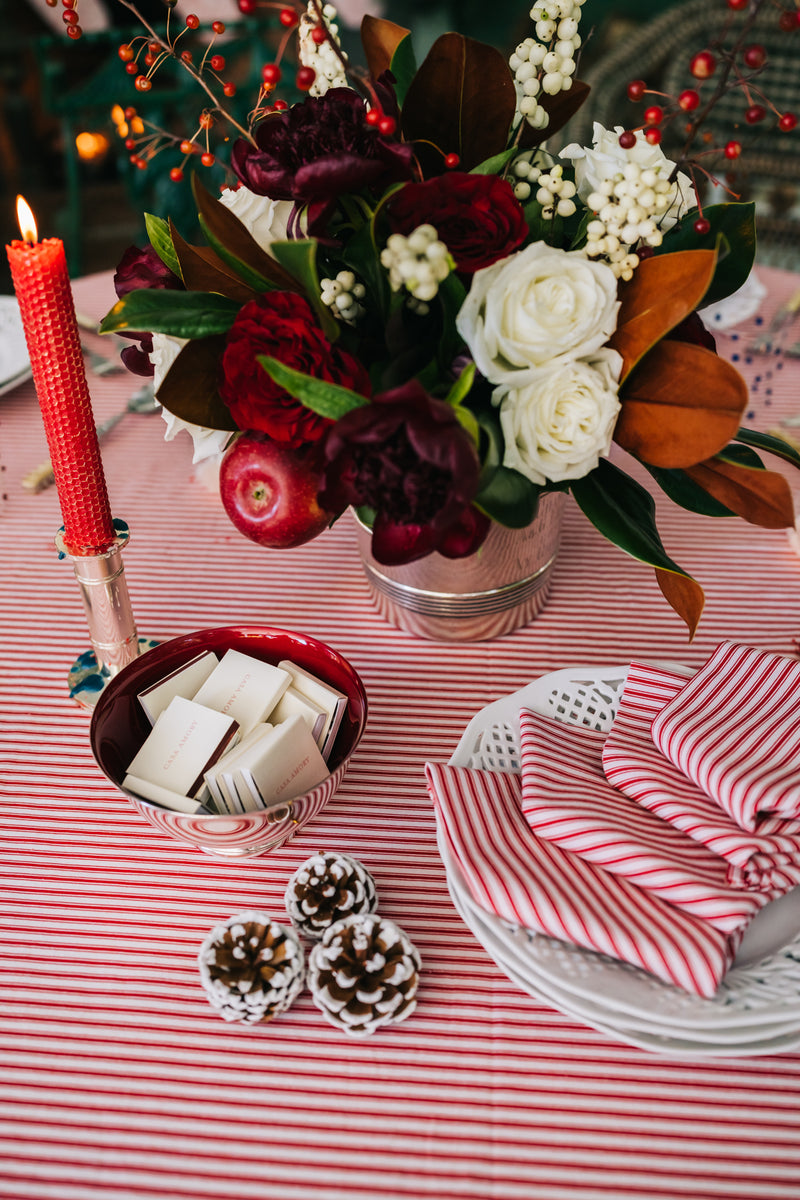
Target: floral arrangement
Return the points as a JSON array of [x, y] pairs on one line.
[[422, 312]]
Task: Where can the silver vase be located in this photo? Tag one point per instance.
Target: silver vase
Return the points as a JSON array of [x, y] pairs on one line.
[[501, 587]]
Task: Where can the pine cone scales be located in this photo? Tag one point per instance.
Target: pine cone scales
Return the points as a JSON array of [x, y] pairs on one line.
[[251, 968], [326, 888], [364, 973]]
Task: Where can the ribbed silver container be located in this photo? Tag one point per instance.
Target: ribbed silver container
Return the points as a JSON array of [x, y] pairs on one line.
[[501, 587]]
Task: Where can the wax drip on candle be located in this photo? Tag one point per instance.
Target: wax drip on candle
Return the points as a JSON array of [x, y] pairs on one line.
[[41, 283]]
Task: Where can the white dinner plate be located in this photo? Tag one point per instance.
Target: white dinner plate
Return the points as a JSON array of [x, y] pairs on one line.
[[756, 1009], [15, 365]]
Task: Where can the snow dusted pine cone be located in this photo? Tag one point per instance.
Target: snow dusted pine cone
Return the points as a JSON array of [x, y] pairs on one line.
[[251, 968], [364, 974], [326, 888]]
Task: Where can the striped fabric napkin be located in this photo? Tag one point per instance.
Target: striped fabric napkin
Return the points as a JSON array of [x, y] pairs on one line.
[[767, 860], [567, 800], [532, 882], [735, 730]]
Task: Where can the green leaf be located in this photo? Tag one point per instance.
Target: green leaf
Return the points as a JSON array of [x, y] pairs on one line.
[[741, 456], [362, 256], [769, 443], [734, 224], [509, 498], [684, 492], [325, 399], [403, 67], [253, 278], [161, 241], [180, 314], [300, 260], [462, 386], [495, 164], [624, 512], [451, 295]]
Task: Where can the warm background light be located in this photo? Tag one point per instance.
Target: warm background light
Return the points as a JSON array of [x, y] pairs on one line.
[[26, 220], [91, 146]]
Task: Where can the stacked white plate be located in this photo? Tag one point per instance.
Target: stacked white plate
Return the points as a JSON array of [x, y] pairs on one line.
[[757, 1007], [15, 365]]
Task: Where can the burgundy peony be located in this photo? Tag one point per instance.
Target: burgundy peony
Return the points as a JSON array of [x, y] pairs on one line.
[[141, 269], [478, 217], [406, 456], [316, 151], [282, 325]]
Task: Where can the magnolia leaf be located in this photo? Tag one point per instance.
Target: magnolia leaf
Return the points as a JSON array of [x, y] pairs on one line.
[[687, 494], [682, 405], [164, 310], [204, 271], [403, 68], [380, 39], [236, 246], [684, 595], [462, 100], [509, 498], [300, 260], [736, 223], [325, 399], [760, 497], [771, 443], [160, 235], [495, 164], [661, 293], [189, 390], [560, 108]]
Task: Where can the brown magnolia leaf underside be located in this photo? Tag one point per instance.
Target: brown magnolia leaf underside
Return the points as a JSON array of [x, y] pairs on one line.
[[190, 388], [462, 99], [761, 497], [232, 234], [560, 108], [684, 595], [664, 289], [204, 271], [682, 405], [380, 39]]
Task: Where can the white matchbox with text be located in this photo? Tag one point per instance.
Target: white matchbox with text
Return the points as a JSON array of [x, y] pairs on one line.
[[186, 740]]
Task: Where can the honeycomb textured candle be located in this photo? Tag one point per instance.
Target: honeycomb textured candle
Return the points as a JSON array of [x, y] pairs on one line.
[[42, 286]]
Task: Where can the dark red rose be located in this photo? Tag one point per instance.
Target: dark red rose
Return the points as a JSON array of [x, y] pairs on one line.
[[282, 325], [478, 217], [691, 329], [317, 150], [406, 456], [141, 269]]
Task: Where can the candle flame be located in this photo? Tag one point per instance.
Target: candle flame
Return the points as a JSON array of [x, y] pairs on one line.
[[27, 221]]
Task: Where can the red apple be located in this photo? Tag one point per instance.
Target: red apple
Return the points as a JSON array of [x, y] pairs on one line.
[[269, 491]]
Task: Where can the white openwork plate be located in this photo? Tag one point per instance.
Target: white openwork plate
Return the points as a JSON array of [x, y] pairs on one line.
[[756, 1009], [15, 365]]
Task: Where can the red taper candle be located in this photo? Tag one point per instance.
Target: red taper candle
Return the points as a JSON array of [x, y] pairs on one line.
[[41, 282]]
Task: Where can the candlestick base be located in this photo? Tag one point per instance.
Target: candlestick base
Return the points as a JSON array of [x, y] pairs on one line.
[[87, 677], [112, 630]]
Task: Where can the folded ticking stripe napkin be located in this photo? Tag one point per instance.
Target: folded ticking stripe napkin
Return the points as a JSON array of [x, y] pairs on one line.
[[567, 800], [735, 731], [767, 860], [535, 883]]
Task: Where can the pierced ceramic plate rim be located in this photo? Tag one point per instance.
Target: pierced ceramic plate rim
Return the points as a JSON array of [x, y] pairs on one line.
[[14, 336], [776, 927]]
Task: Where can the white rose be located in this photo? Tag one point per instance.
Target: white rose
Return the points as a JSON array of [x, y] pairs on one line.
[[558, 425], [608, 160], [539, 306], [207, 442], [265, 220]]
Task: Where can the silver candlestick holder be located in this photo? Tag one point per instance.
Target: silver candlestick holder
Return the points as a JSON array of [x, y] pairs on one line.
[[112, 629]]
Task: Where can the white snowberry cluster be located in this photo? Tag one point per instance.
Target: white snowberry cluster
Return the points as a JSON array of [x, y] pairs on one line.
[[546, 62], [419, 262], [321, 58], [553, 191], [343, 294], [627, 210]]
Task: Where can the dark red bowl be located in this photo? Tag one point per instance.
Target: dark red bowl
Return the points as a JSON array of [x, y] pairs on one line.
[[119, 727]]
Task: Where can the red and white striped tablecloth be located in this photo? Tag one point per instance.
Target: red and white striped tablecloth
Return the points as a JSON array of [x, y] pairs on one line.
[[118, 1082]]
